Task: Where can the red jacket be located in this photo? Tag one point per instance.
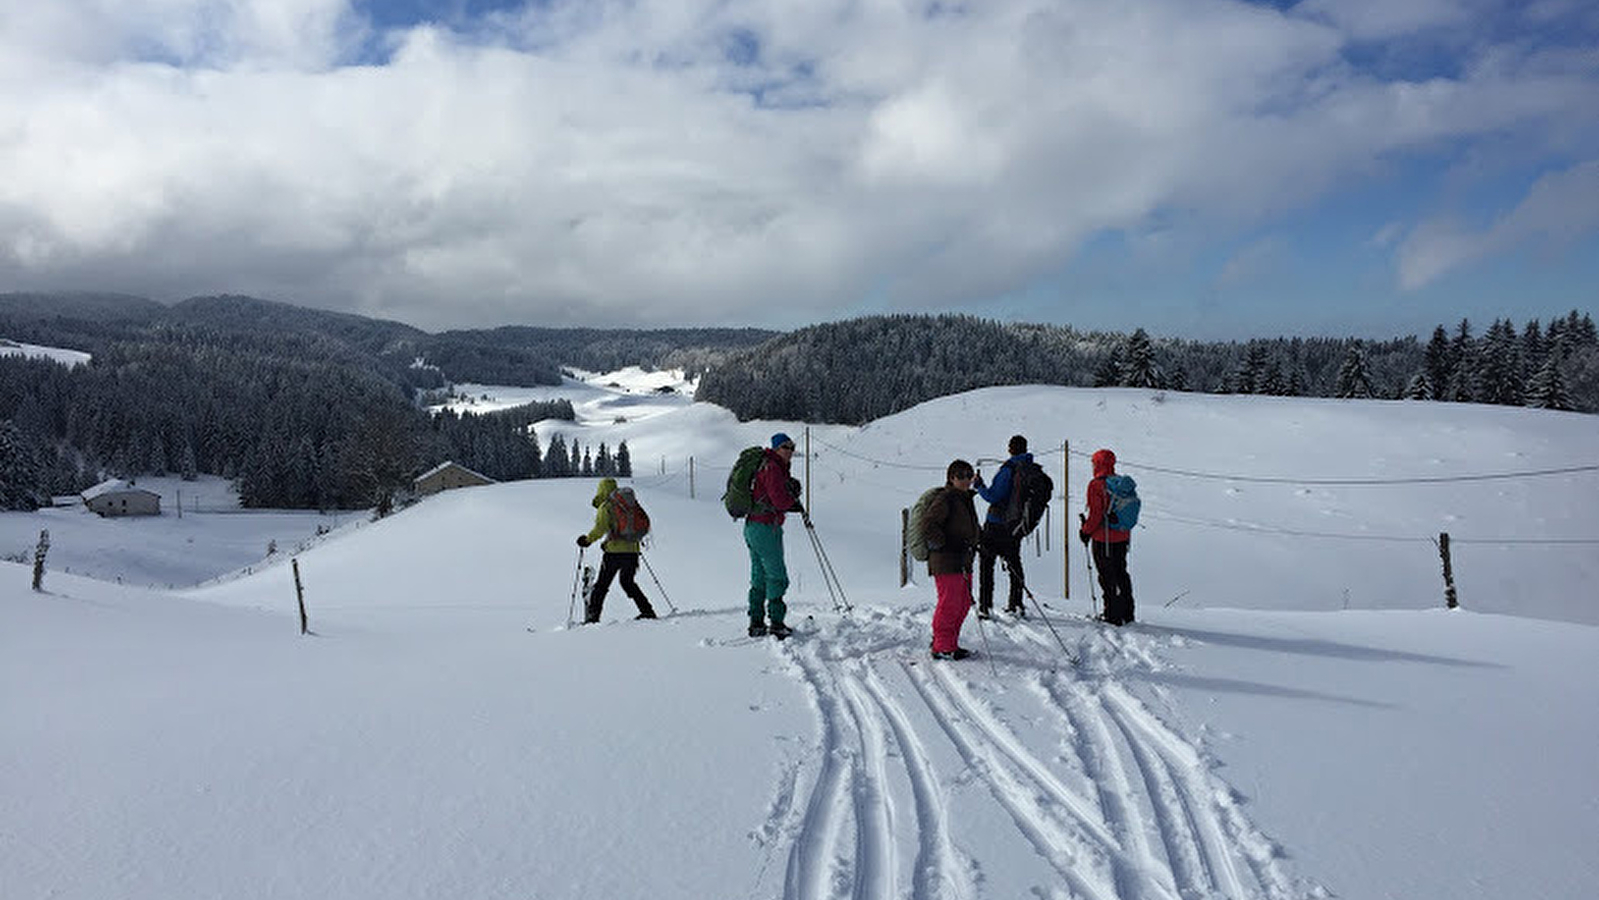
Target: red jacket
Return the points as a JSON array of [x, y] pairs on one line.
[[1098, 499], [771, 492]]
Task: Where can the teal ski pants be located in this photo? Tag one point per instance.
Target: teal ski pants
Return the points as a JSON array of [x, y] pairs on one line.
[[768, 574]]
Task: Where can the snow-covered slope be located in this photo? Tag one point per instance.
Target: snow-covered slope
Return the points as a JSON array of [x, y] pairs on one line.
[[1293, 716], [35, 351]]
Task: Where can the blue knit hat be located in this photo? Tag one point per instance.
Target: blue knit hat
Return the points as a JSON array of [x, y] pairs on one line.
[[780, 439]]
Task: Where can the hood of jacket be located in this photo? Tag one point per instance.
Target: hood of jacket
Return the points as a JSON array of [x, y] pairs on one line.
[[604, 491], [1104, 463]]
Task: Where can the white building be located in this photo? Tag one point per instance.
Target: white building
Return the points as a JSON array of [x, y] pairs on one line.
[[116, 497]]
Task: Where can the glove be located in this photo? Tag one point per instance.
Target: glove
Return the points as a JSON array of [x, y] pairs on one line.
[[794, 488], [797, 507], [1083, 536], [935, 546], [978, 481], [583, 540]]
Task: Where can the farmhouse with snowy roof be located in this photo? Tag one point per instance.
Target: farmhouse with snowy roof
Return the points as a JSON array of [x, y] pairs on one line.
[[447, 476], [115, 497]]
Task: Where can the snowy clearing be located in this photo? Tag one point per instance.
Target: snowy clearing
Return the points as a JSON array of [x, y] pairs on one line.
[[1294, 715]]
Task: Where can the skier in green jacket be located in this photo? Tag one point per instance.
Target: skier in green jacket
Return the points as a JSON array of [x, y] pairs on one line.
[[620, 558]]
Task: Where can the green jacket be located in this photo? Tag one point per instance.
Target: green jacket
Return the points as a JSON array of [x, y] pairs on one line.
[[602, 520]]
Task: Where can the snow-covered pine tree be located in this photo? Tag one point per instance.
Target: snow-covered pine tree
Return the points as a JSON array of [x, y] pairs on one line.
[[1547, 390], [1271, 379], [1436, 363], [1419, 388], [1109, 373], [19, 471], [1139, 368], [1499, 369], [1252, 369], [1354, 381], [624, 461]]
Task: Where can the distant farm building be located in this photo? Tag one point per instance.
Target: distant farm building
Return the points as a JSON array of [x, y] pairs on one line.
[[119, 498], [448, 476]]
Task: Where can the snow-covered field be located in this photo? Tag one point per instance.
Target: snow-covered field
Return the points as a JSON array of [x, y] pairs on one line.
[[65, 357], [211, 538], [1294, 715]]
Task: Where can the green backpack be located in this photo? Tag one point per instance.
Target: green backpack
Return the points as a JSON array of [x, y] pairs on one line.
[[740, 496], [915, 537]]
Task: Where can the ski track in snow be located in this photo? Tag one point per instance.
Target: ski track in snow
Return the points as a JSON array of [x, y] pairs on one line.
[[1121, 807]]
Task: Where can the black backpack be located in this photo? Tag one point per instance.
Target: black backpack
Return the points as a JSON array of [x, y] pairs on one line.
[[1029, 496]]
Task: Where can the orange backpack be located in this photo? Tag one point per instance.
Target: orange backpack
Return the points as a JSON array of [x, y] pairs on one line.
[[629, 521]]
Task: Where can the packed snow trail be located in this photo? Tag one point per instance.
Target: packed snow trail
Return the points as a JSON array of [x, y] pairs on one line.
[[911, 754]]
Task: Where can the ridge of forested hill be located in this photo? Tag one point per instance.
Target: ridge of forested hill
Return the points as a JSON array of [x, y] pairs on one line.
[[310, 408], [303, 407], [857, 370]]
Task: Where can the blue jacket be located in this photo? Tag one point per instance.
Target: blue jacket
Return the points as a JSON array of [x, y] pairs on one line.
[[997, 493]]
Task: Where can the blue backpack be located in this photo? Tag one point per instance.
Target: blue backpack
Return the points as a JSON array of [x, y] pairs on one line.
[[1122, 511]]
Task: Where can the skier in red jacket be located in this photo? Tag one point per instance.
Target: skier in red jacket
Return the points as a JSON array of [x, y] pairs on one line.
[[1109, 545]]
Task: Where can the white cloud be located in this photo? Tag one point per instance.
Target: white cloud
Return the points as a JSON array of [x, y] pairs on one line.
[[1380, 19], [1559, 209], [684, 161]]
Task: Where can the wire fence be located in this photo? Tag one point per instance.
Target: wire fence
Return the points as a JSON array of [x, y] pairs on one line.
[[1178, 517]]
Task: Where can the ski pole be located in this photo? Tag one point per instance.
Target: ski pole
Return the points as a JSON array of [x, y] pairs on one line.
[[1041, 614], [570, 607], [988, 650], [651, 570], [835, 588], [1094, 598]]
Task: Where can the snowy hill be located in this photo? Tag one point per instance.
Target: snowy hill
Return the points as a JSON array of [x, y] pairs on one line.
[[34, 351], [1294, 715]]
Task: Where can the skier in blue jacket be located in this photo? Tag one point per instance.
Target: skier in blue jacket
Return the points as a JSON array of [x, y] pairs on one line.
[[997, 540]]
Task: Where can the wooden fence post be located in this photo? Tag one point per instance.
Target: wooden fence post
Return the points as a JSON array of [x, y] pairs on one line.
[[1065, 519], [299, 594], [904, 547], [1449, 571], [38, 560]]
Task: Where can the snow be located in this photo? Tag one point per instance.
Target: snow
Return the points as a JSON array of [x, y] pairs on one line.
[[35, 351], [1294, 715], [211, 538]]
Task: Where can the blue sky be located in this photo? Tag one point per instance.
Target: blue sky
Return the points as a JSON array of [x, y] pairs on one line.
[[1214, 168]]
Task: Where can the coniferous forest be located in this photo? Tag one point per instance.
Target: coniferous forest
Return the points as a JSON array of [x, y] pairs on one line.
[[303, 409], [310, 409], [855, 371]]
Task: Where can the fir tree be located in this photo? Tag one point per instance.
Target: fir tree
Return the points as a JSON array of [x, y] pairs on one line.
[[1109, 373], [1271, 379], [1547, 389], [624, 461], [1139, 368], [1297, 382], [19, 471], [1419, 388], [557, 464], [1354, 382], [1252, 369], [1436, 364], [1498, 374]]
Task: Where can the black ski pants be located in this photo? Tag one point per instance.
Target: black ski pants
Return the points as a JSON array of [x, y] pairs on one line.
[[998, 544], [612, 565], [1110, 561]]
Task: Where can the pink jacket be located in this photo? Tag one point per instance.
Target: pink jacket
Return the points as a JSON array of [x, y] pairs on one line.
[[771, 494]]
